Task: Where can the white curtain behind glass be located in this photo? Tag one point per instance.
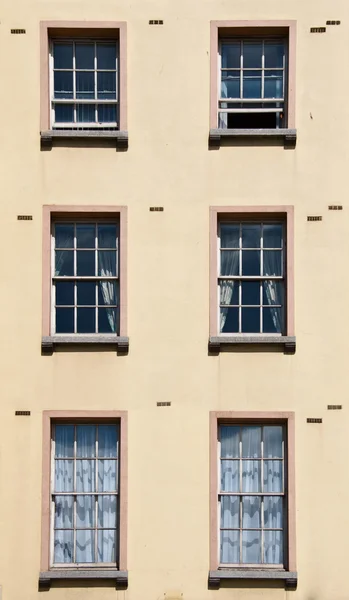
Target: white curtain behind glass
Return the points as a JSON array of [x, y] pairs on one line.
[[273, 289]]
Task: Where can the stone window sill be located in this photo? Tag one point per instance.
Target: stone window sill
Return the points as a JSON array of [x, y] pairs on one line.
[[288, 136], [216, 577], [49, 137], [46, 577], [50, 343], [286, 343]]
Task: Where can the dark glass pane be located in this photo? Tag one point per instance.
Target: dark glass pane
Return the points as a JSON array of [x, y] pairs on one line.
[[107, 113], [84, 56], [273, 55], [107, 263], [107, 293], [86, 262], [64, 236], [251, 260], [252, 55], [86, 292], [230, 86], [65, 292], [63, 55], [261, 120], [251, 437], [272, 235], [107, 235], [251, 320], [230, 235], [86, 322], [64, 320], [106, 85], [64, 263], [64, 113], [63, 84], [229, 320], [64, 441], [85, 113], [272, 320], [107, 320], [272, 441], [273, 87], [86, 441], [85, 236], [85, 85], [229, 292], [251, 235], [252, 87], [106, 56], [108, 436], [231, 55], [230, 262], [272, 262], [250, 292], [230, 440]]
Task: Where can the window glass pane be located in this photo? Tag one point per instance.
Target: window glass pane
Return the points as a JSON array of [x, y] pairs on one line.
[[107, 475], [86, 441], [106, 546], [106, 113], [251, 235], [230, 547], [273, 55], [272, 441], [86, 320], [106, 85], [85, 85], [230, 85], [230, 512], [273, 547], [86, 262], [63, 84], [85, 475], [229, 262], [251, 436], [273, 86], [85, 546], [64, 236], [252, 55], [84, 55], [231, 55], [85, 511], [85, 235], [272, 235], [64, 476], [107, 263], [273, 320], [107, 235], [64, 262], [229, 292], [64, 512], [107, 293], [107, 320], [250, 320], [251, 512], [107, 511], [64, 441], [272, 262], [251, 262], [230, 476], [63, 546], [64, 320], [230, 439], [250, 292], [229, 320], [85, 113], [251, 476], [229, 235], [273, 292], [252, 86], [64, 113], [86, 292], [272, 470], [63, 55], [64, 292], [251, 547], [273, 512], [106, 56], [108, 441]]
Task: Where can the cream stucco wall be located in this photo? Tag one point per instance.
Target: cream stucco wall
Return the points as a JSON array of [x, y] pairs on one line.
[[168, 164]]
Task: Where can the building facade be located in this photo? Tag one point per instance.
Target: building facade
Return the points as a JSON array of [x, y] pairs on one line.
[[173, 366]]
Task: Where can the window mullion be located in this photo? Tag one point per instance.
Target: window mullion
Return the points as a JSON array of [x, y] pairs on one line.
[[75, 282], [96, 498], [74, 498], [74, 82], [95, 82]]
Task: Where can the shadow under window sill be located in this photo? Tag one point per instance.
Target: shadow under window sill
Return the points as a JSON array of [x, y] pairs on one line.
[[288, 137], [87, 136], [290, 578], [47, 577], [51, 343], [285, 343]]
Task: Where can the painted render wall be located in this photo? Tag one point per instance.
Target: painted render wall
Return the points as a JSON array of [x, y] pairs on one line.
[[168, 164]]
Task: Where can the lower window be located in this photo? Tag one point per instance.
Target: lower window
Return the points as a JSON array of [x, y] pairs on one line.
[[252, 495], [84, 494]]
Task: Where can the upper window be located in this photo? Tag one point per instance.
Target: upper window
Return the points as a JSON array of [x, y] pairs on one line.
[[252, 82], [85, 277], [251, 277], [84, 84]]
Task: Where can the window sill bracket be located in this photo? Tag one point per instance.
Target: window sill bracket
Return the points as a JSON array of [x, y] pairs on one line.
[[46, 577], [50, 343], [216, 577], [217, 343], [289, 136]]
